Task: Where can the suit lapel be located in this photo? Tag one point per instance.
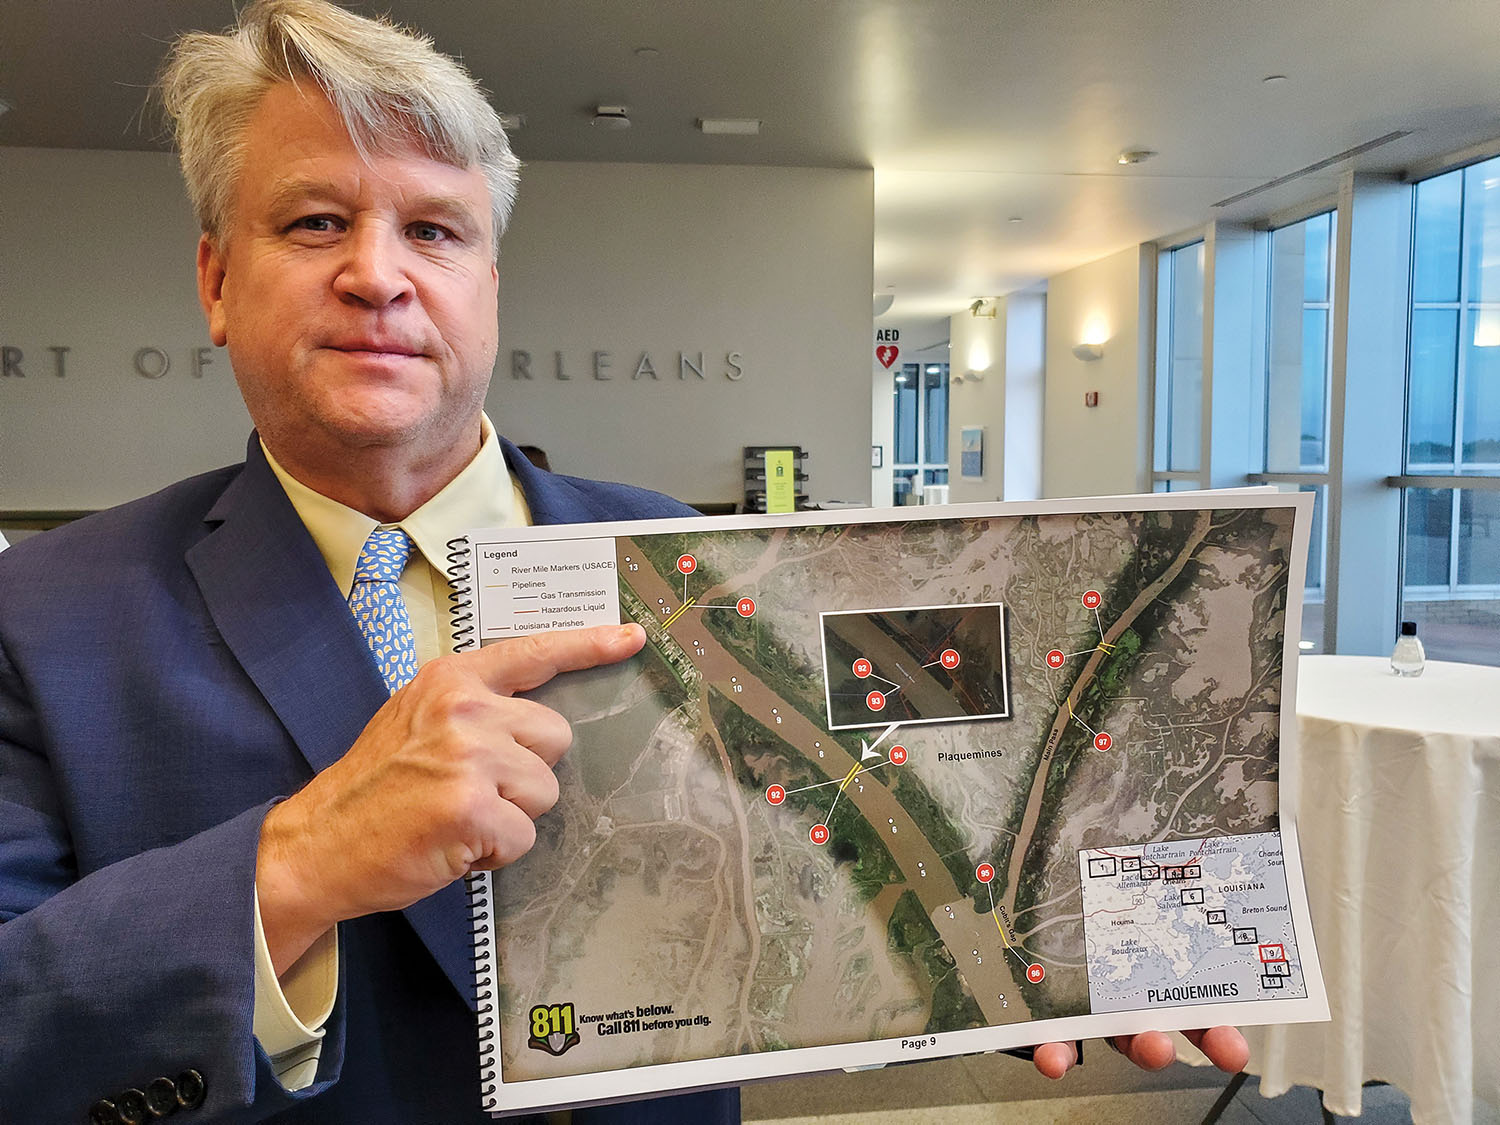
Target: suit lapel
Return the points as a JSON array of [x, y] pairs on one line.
[[276, 606], [273, 601]]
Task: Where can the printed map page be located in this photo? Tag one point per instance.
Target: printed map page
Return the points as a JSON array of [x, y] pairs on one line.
[[893, 787]]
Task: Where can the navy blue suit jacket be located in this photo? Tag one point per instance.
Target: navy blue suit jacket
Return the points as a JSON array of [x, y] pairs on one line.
[[168, 669]]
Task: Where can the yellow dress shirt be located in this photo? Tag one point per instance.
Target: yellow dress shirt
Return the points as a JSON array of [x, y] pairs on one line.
[[290, 1013]]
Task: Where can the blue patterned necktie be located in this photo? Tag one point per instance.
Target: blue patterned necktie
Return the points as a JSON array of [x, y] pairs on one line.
[[378, 608]]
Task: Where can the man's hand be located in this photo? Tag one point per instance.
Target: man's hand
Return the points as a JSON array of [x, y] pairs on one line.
[[447, 778], [1152, 1050]]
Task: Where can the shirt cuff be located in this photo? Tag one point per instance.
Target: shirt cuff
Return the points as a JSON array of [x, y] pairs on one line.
[[290, 1012]]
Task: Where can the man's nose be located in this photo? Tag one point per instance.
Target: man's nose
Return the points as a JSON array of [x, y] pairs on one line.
[[373, 271]]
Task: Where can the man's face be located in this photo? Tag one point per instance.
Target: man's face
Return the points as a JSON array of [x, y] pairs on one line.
[[357, 298]]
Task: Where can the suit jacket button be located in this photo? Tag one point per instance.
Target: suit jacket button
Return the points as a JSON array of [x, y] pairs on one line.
[[191, 1089], [103, 1112], [161, 1097], [131, 1106]]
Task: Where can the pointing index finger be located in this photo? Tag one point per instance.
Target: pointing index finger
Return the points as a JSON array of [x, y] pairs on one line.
[[523, 663]]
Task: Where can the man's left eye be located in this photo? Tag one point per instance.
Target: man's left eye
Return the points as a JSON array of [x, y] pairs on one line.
[[427, 232]]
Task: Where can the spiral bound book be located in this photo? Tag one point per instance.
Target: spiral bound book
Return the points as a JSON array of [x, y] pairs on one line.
[[882, 788]]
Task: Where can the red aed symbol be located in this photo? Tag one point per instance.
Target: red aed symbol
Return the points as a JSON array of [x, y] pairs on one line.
[[861, 667], [687, 564], [818, 834], [949, 658], [1035, 973], [1102, 741], [875, 701], [898, 755], [1055, 658], [745, 607], [984, 872], [776, 794], [887, 354]]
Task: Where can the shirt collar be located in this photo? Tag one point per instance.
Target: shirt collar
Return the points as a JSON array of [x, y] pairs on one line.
[[483, 495]]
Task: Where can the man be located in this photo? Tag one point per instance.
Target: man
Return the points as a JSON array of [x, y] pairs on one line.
[[241, 774]]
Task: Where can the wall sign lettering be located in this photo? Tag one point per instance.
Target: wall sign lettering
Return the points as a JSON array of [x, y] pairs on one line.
[[149, 362], [601, 366]]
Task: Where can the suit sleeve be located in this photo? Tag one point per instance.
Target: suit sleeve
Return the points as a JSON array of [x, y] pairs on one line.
[[138, 970]]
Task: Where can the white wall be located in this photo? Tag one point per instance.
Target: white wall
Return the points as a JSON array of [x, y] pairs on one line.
[[978, 358], [775, 264], [97, 251], [1094, 451], [1025, 392]]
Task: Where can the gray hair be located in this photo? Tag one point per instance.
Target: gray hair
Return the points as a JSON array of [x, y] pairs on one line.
[[387, 83]]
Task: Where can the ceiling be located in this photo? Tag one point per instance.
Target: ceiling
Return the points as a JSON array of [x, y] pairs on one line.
[[973, 113]]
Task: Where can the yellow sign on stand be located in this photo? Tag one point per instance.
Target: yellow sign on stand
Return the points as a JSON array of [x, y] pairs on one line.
[[781, 481]]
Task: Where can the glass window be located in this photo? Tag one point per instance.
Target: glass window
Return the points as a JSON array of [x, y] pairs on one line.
[[1481, 407], [906, 413], [1430, 389], [935, 411], [1439, 219], [1179, 369], [1429, 529], [1299, 346], [1479, 541], [920, 440]]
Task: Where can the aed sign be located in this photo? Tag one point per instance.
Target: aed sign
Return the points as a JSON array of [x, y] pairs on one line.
[[887, 335]]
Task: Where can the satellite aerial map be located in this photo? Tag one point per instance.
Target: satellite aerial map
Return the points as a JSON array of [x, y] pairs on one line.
[[886, 780]]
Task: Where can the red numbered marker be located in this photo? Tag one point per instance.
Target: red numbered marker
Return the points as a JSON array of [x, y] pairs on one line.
[[776, 794], [1035, 973], [745, 607], [984, 872], [898, 755], [1092, 600], [949, 658], [1055, 658], [1102, 741], [818, 834], [687, 564], [862, 667], [875, 701]]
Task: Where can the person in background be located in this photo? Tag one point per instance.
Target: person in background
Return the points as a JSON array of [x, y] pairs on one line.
[[537, 456], [242, 772]]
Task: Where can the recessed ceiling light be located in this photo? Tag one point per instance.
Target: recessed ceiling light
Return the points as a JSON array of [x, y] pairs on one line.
[[1136, 155], [1273, 79], [646, 52], [730, 126], [610, 117], [510, 122], [1014, 219]]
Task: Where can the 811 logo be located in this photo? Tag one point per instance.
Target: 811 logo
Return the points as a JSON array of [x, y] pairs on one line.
[[553, 1029]]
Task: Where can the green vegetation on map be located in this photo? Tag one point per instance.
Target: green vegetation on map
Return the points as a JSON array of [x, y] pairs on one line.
[[912, 934]]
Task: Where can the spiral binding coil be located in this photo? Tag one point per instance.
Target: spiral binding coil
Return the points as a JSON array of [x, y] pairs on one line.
[[461, 596], [477, 885]]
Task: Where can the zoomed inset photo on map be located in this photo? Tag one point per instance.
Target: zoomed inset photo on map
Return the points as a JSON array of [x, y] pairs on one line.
[[920, 664]]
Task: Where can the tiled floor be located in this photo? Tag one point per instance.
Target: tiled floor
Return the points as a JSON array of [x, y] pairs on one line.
[[995, 1090]]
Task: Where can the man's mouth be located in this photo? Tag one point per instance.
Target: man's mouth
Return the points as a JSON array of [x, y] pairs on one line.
[[376, 347]]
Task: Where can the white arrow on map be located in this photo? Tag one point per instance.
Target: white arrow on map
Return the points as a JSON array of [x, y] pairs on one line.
[[866, 752]]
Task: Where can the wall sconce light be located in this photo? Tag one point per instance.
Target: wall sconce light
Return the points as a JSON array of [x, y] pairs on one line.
[[1088, 352], [983, 308]]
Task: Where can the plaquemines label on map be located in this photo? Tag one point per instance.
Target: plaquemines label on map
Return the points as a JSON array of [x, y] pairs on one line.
[[532, 587]]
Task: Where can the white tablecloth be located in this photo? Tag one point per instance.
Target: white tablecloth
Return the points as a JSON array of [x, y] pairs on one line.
[[1400, 834]]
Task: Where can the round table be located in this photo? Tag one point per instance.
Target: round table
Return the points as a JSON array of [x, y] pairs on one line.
[[1399, 825]]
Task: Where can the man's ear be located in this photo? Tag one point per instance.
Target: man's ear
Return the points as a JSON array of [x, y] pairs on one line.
[[211, 290]]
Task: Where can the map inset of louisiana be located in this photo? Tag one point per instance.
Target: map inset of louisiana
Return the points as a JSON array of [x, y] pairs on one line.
[[885, 781]]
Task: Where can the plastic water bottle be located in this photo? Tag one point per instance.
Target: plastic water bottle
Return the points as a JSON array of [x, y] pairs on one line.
[[1408, 657]]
